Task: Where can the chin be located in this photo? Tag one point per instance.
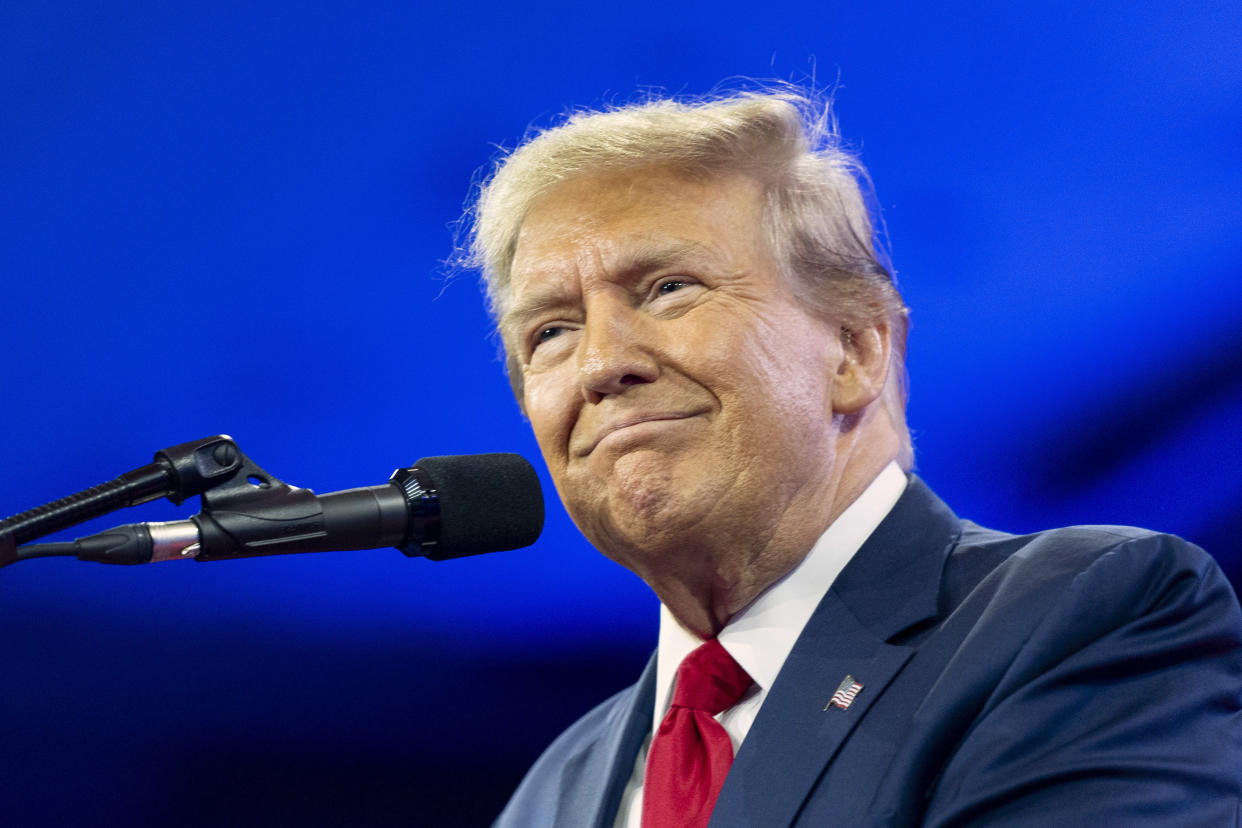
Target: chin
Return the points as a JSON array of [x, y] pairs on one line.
[[646, 505]]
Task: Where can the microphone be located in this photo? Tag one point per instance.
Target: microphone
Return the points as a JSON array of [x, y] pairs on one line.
[[439, 508]]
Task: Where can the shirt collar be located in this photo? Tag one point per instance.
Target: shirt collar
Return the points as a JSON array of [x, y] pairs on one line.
[[761, 636]]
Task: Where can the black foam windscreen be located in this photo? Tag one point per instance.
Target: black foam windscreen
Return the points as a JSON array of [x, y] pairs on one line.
[[488, 503]]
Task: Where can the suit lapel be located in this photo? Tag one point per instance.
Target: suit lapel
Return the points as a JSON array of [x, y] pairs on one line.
[[797, 722], [891, 584]]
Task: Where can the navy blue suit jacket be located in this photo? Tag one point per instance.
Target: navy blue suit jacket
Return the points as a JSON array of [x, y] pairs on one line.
[[1084, 676]]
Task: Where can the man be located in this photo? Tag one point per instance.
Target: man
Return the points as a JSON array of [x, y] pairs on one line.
[[710, 353]]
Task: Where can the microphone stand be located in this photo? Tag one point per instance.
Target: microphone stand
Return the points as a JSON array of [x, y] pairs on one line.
[[213, 467]]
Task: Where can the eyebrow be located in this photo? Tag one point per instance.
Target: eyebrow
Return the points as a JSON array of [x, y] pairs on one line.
[[517, 317], [642, 257], [648, 256]]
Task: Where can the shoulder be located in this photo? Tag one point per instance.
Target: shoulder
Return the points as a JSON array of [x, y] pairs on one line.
[[1113, 570], [583, 735], [1085, 614], [1109, 658], [572, 772], [1135, 611]]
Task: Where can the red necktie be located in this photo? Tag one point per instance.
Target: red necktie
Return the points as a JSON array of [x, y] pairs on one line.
[[691, 753]]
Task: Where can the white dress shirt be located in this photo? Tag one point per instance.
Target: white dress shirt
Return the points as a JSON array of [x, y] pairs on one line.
[[761, 636]]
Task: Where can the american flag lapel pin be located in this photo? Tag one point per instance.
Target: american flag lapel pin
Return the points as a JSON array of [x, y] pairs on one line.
[[845, 694]]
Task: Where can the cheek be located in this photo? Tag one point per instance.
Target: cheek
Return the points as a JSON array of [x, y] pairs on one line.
[[782, 366], [549, 405]]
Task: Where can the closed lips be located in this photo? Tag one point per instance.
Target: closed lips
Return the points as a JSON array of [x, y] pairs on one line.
[[630, 422]]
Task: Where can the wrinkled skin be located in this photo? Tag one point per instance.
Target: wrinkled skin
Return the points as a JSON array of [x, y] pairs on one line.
[[703, 426]]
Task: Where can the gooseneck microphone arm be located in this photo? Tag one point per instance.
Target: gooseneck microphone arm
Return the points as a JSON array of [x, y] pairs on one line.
[[177, 473], [440, 508]]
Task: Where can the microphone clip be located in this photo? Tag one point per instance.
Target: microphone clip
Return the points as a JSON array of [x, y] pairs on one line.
[[252, 512]]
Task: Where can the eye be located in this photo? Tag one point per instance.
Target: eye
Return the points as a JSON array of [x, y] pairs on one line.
[[671, 286], [546, 334]]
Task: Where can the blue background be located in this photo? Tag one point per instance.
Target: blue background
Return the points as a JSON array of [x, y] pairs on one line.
[[231, 218]]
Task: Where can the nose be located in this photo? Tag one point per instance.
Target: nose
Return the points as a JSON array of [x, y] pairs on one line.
[[615, 352]]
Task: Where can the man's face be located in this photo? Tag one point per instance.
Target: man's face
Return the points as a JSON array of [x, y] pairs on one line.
[[679, 392]]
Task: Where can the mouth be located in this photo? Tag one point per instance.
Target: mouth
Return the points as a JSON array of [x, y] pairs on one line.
[[629, 425]]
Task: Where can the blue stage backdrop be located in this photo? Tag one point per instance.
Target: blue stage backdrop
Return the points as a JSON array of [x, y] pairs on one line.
[[232, 218]]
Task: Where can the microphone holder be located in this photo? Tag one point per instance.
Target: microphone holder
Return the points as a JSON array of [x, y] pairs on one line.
[[250, 503], [179, 472]]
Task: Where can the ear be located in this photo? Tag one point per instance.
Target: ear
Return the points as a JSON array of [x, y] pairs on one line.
[[863, 370]]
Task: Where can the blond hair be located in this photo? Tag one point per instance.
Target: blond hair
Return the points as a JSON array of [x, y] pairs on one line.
[[815, 210]]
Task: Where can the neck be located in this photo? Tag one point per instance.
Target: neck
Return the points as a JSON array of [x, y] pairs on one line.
[[721, 581]]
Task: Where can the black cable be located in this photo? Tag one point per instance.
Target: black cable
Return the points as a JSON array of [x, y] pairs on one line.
[[139, 486], [178, 472], [129, 544], [47, 550]]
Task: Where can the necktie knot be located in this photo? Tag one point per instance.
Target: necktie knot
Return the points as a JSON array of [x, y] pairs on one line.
[[710, 680]]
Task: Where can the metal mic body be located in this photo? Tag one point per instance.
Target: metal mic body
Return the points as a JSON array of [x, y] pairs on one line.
[[300, 521]]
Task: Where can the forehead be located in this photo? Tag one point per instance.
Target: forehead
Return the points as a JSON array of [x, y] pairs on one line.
[[626, 197], [612, 223]]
